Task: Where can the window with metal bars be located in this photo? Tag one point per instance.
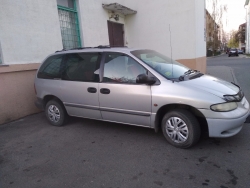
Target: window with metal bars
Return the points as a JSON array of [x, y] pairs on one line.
[[68, 18]]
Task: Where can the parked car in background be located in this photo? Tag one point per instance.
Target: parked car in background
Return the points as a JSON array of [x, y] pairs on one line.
[[240, 51], [139, 87], [233, 52]]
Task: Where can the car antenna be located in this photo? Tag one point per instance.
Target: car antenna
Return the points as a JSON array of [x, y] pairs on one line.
[[171, 52]]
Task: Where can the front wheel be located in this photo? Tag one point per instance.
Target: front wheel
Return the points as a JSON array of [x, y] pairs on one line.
[[181, 128], [56, 113]]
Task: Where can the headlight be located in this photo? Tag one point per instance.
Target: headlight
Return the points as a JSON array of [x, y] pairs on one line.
[[224, 107]]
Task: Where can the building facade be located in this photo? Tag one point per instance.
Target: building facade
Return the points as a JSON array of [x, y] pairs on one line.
[[241, 33], [212, 35], [31, 30]]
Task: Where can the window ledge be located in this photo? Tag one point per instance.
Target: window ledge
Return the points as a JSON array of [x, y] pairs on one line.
[[5, 68]]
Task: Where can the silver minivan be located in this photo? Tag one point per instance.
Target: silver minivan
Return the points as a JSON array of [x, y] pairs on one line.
[[139, 87]]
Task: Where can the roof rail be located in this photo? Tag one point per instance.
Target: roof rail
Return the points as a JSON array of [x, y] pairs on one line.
[[77, 48], [108, 46], [60, 50], [100, 46], [103, 46], [80, 48]]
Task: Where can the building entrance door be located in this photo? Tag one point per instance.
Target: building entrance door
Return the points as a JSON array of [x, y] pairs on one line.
[[116, 32]]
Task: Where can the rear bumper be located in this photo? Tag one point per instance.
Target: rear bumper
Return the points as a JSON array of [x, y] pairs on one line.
[[39, 103], [225, 127], [233, 54]]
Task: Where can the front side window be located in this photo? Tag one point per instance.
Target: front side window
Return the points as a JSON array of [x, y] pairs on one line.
[[81, 67], [68, 18], [120, 68], [167, 67]]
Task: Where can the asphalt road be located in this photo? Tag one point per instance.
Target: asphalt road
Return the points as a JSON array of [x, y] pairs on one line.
[[88, 153], [240, 66]]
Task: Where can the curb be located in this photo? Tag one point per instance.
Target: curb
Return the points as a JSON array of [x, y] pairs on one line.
[[215, 56]]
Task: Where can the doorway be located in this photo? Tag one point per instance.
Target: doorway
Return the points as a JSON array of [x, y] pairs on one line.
[[116, 34]]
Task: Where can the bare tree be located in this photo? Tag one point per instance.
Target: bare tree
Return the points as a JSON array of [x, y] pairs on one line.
[[215, 25]]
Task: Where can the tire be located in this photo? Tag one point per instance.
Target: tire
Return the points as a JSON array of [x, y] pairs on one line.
[[56, 113], [228, 55], [190, 132]]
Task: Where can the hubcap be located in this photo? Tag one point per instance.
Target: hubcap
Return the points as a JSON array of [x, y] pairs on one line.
[[54, 113], [177, 129]]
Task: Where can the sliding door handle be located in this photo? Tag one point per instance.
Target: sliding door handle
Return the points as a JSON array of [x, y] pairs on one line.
[[105, 91], [92, 90]]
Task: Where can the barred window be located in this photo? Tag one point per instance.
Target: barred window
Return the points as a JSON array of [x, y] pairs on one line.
[[69, 25]]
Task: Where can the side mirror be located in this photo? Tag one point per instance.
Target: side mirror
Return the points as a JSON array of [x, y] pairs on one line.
[[144, 79]]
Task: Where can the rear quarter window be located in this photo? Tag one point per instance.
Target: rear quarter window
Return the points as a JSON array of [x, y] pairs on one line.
[[50, 69]]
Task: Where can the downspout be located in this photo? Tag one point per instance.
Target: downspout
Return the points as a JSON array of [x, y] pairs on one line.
[[246, 41], [247, 28]]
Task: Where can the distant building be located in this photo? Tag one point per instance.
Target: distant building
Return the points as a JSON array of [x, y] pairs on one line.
[[241, 36], [212, 34]]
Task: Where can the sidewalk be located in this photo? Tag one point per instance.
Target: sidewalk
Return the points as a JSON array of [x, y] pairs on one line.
[[223, 72], [216, 55]]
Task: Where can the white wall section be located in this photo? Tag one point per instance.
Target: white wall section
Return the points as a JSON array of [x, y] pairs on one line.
[[29, 31]]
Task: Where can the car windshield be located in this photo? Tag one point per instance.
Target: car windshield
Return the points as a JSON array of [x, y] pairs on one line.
[[167, 67]]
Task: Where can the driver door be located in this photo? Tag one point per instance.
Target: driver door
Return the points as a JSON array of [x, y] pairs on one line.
[[121, 98]]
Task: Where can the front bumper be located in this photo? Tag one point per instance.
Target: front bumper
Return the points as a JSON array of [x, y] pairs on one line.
[[225, 127], [226, 124], [233, 54]]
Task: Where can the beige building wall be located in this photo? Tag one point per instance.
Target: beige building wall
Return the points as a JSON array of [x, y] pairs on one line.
[[17, 93], [196, 63]]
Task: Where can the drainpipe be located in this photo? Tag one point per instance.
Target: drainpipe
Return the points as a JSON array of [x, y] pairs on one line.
[[247, 29], [246, 33]]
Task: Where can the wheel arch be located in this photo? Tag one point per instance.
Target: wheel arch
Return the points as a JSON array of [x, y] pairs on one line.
[[166, 108], [47, 98]]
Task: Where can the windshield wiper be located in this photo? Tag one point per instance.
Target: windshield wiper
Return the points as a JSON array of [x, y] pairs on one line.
[[190, 71], [187, 75]]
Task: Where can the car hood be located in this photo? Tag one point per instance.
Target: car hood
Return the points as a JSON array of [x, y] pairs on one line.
[[213, 85]]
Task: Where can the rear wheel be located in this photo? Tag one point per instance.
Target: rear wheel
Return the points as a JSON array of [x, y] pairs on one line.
[[181, 128], [56, 113]]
